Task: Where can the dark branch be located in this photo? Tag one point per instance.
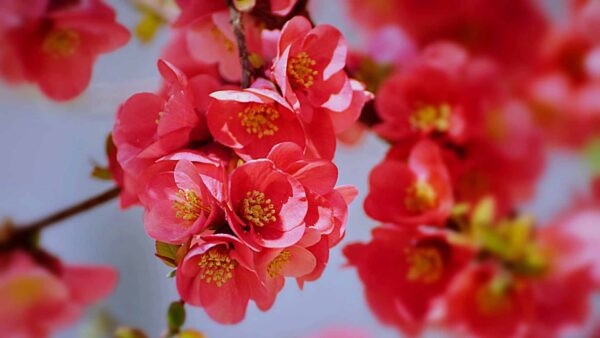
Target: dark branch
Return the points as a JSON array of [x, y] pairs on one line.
[[240, 36]]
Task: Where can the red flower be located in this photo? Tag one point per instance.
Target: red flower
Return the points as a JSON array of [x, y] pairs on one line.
[[484, 303], [183, 201], [218, 275], [309, 67], [39, 300], [266, 206], [149, 126], [252, 121], [55, 46], [404, 270], [410, 187]]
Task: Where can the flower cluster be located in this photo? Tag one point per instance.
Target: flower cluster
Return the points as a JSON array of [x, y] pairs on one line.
[[54, 44], [238, 184], [470, 104]]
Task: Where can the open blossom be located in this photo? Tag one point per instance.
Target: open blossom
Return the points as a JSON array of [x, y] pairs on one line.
[[252, 121], [309, 67], [55, 44], [218, 274], [182, 199], [39, 300], [428, 98], [267, 206], [404, 270], [411, 187]]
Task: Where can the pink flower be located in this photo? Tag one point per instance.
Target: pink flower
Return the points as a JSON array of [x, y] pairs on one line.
[[218, 275], [210, 40], [411, 187], [149, 126], [252, 121], [404, 270], [39, 300], [266, 206], [183, 198], [309, 67], [56, 45]]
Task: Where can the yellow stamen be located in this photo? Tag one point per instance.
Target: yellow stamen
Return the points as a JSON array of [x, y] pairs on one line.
[[216, 266], [61, 43], [301, 70], [425, 265], [420, 197], [189, 206], [258, 119], [257, 209], [274, 268], [430, 117]]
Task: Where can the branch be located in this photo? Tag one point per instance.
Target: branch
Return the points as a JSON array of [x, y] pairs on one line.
[[17, 235], [240, 36]]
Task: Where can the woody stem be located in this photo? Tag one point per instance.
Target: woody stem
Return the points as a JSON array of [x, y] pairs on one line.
[[240, 36]]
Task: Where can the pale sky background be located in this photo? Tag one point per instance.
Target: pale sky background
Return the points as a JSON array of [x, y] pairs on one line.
[[48, 150]]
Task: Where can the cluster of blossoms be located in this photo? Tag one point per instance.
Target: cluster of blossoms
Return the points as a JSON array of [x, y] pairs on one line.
[[238, 184], [54, 43], [470, 98]]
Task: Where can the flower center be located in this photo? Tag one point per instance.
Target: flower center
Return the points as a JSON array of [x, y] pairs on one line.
[[189, 206], [216, 266], [222, 39], [300, 68], [258, 209], [430, 117], [61, 43], [425, 265], [274, 268], [420, 197], [258, 119]]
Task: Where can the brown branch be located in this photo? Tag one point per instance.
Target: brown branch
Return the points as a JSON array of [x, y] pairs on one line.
[[19, 235], [240, 36]]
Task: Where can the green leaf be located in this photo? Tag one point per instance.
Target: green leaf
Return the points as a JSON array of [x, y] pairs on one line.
[[102, 173], [191, 334], [167, 253], [172, 273], [592, 155], [176, 316]]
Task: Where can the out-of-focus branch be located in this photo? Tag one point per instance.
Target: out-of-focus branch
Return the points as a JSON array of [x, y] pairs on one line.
[[14, 235], [240, 36]]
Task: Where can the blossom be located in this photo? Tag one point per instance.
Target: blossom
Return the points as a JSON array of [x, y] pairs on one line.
[[410, 187], [266, 206], [185, 200], [38, 300], [218, 275], [253, 120], [404, 269], [56, 45], [149, 126], [310, 64]]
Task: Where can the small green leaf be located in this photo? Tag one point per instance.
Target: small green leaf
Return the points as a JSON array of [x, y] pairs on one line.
[[102, 173], [176, 316], [172, 273], [167, 253], [592, 155]]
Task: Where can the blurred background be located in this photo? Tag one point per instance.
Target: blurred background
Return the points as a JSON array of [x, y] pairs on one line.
[[48, 151]]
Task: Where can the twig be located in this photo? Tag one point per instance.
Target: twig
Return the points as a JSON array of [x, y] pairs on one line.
[[15, 235], [240, 36]]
